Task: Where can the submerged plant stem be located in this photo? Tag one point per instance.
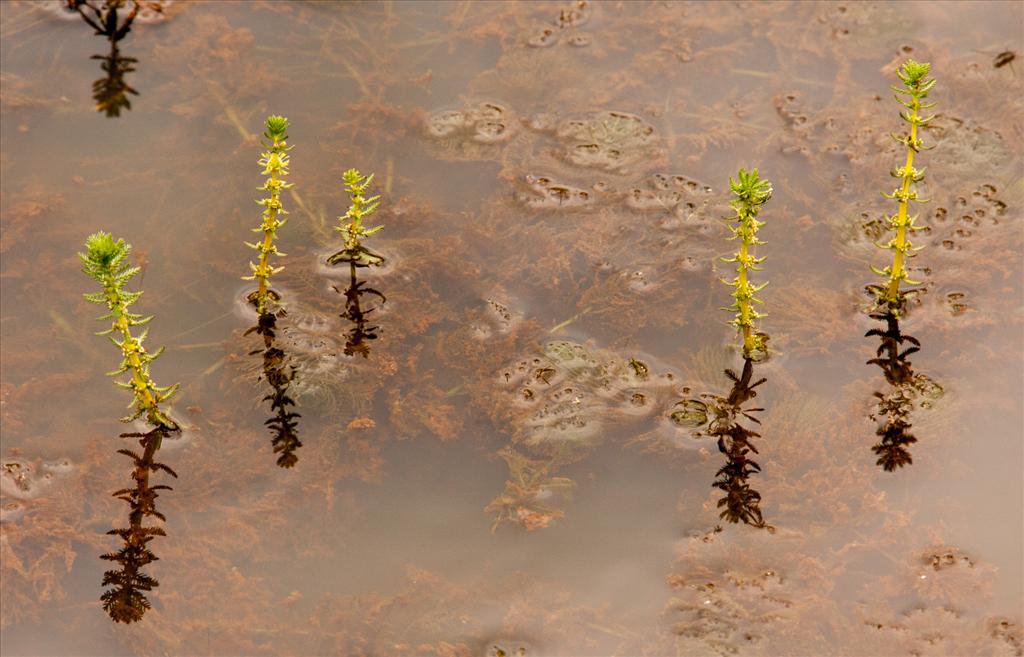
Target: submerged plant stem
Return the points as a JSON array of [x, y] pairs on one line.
[[562, 325]]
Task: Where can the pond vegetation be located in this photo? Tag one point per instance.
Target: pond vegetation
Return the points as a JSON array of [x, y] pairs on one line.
[[106, 261], [551, 339]]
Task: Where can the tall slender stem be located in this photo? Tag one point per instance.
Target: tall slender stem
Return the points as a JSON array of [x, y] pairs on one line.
[[275, 164], [898, 271], [916, 86], [271, 225], [751, 193]]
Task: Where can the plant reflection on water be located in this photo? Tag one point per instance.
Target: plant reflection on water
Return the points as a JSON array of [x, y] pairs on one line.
[[126, 602], [719, 417], [111, 92], [358, 337], [741, 502], [907, 389], [279, 374]]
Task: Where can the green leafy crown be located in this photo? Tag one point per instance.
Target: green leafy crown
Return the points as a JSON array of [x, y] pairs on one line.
[[276, 128], [914, 74]]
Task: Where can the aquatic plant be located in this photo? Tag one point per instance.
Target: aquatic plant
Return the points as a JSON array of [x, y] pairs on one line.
[[894, 407], [275, 162], [530, 493], [751, 193], [106, 261], [355, 253], [353, 232], [916, 85], [283, 424], [279, 374]]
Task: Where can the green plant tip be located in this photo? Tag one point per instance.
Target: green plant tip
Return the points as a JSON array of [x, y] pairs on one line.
[[749, 189], [274, 162], [102, 250], [277, 127], [913, 73], [355, 180]]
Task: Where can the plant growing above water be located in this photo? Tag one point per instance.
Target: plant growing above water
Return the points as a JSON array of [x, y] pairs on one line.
[[275, 166], [353, 232], [721, 417], [355, 253], [284, 423], [106, 261], [908, 389], [912, 95], [750, 194]]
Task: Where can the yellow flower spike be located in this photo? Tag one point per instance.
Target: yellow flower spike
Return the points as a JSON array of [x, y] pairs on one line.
[[916, 86], [750, 192], [275, 163]]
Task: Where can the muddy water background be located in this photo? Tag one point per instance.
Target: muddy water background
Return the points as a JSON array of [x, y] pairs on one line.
[[377, 542]]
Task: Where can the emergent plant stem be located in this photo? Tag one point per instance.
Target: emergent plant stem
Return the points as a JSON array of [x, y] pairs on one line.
[[901, 230]]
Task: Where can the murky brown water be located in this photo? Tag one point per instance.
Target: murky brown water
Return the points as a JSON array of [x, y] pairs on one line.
[[552, 184]]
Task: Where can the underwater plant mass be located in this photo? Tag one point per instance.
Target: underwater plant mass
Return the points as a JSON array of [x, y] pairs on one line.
[[527, 418]]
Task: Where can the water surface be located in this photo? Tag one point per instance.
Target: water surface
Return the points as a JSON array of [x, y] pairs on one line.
[[553, 179]]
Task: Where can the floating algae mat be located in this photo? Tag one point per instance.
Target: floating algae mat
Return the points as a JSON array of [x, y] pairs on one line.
[[528, 329]]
